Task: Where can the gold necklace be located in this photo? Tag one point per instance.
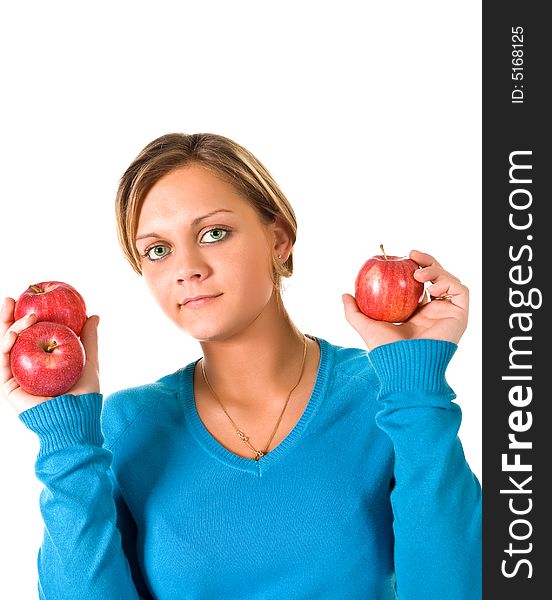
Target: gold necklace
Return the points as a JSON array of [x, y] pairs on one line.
[[258, 453]]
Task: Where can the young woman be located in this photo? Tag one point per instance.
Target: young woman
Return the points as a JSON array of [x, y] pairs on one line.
[[275, 466]]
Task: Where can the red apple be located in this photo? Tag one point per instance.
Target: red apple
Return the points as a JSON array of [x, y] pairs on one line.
[[385, 288], [47, 359], [53, 301]]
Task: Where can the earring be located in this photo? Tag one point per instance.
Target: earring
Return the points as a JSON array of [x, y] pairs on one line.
[[279, 256]]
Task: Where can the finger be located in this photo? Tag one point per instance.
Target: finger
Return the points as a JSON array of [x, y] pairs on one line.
[[349, 302], [7, 342], [441, 282], [6, 314], [351, 308], [353, 314], [14, 330], [89, 338], [450, 290], [9, 386], [89, 381], [5, 367], [23, 323], [432, 273], [423, 259], [89, 333]]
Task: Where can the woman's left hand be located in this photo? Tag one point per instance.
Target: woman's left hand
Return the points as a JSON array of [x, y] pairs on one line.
[[442, 314]]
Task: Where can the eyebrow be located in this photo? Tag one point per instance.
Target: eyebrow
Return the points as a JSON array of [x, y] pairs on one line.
[[196, 221]]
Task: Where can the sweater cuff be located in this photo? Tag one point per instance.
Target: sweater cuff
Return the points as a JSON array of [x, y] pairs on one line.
[[413, 366], [66, 421]]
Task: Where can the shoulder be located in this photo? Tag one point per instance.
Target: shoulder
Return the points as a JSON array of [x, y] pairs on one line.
[[123, 407], [352, 364], [350, 386]]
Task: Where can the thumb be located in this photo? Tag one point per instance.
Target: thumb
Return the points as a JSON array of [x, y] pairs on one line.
[[364, 325], [90, 377], [89, 337], [352, 311]]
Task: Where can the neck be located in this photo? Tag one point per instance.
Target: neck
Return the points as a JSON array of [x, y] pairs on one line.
[[262, 361]]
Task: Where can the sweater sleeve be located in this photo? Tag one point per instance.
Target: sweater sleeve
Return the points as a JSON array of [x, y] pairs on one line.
[[435, 497], [81, 555]]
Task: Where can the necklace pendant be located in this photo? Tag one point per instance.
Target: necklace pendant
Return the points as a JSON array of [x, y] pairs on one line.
[[259, 454], [242, 436]]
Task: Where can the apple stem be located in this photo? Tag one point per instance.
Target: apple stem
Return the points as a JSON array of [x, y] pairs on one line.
[[383, 251], [36, 289], [50, 347]]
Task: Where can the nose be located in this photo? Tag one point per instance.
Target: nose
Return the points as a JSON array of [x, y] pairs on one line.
[[189, 265]]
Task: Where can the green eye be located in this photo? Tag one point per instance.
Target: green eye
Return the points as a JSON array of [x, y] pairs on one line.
[[217, 234], [157, 252]]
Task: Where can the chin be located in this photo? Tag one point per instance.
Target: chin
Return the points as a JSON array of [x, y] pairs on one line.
[[216, 330], [201, 329], [208, 333]]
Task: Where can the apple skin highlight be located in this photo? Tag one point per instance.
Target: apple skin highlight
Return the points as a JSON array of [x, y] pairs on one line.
[[385, 288]]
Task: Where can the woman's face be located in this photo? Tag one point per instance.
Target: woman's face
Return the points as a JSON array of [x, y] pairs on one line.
[[198, 236]]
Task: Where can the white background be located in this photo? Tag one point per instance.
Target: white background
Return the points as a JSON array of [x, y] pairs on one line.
[[368, 114]]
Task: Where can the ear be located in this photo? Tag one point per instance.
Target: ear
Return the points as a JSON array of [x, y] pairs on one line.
[[282, 243]]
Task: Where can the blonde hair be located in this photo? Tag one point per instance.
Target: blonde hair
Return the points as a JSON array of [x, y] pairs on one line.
[[226, 158]]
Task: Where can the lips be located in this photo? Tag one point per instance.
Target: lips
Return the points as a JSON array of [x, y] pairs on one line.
[[194, 299]]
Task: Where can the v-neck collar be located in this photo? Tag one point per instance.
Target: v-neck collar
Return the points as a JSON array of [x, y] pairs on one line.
[[217, 450]]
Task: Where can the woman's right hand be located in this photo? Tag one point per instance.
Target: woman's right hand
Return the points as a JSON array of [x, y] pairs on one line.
[[20, 400]]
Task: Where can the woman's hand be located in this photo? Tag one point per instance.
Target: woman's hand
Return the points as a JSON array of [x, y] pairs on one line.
[[9, 330], [441, 316]]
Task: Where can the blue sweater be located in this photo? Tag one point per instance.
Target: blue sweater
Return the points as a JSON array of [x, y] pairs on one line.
[[369, 496]]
